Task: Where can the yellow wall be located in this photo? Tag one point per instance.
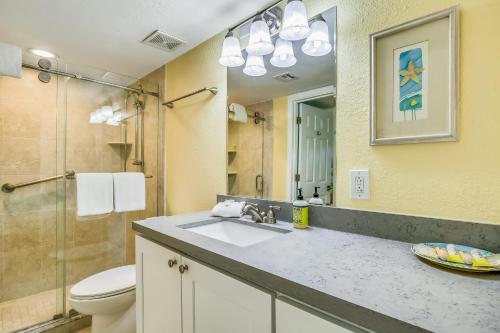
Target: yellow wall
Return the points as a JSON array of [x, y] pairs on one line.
[[456, 180], [195, 130], [280, 137]]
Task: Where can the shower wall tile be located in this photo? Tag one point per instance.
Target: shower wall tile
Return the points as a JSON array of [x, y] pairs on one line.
[[21, 232], [48, 277], [21, 273], [21, 119], [19, 156]]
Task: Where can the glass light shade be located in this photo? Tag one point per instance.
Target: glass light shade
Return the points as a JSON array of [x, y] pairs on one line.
[[254, 66], [295, 23], [283, 54], [118, 116], [318, 42], [112, 122], [231, 52], [259, 43], [96, 118], [106, 112]]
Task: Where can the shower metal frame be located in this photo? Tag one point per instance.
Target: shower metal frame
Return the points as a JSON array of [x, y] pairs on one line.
[[139, 90]]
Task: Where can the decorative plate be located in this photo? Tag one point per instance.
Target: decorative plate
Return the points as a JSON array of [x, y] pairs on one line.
[[419, 250]]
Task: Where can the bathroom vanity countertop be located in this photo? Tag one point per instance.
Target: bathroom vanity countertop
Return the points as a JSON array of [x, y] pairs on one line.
[[376, 283]]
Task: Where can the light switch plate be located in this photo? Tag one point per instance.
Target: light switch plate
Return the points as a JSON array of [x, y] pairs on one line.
[[360, 184]]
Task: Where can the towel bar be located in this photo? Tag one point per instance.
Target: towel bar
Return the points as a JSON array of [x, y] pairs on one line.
[[9, 188]]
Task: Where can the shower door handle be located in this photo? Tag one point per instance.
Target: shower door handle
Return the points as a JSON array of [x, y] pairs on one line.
[[259, 184]]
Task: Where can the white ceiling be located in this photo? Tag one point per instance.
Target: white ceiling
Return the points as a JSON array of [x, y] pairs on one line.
[[107, 34]]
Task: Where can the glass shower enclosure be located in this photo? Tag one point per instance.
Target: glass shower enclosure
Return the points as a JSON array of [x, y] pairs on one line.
[[47, 135]]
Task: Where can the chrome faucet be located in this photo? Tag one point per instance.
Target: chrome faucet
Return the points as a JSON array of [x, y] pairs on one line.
[[254, 211], [258, 216]]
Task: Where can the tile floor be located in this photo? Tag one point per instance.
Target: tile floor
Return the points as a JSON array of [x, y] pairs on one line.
[[27, 311]]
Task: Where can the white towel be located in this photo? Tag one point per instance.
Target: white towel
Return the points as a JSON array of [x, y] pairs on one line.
[[228, 208], [10, 60], [130, 191], [239, 112], [94, 193]]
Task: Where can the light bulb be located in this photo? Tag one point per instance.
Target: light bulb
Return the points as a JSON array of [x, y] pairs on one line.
[[318, 42], [112, 122], [95, 118], [254, 66], [231, 52], [42, 53], [106, 112], [295, 23], [283, 54], [259, 43]]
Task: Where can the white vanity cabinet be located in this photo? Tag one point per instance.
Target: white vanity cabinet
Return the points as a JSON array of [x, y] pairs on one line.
[[299, 319], [158, 288], [200, 299]]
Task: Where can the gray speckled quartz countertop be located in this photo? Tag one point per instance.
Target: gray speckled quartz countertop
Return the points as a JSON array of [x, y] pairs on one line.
[[376, 283]]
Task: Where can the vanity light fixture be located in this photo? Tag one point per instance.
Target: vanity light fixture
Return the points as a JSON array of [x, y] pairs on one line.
[[254, 66], [295, 23], [318, 42], [259, 43], [231, 52], [106, 114], [42, 53], [283, 54]]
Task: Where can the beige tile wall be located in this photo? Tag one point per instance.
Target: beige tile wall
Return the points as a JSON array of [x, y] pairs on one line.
[[253, 152], [27, 216]]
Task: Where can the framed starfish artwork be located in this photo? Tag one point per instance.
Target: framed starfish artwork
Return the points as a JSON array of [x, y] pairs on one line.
[[414, 81]]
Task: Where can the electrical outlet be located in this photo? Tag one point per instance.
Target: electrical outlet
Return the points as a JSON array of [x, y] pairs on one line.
[[360, 184]]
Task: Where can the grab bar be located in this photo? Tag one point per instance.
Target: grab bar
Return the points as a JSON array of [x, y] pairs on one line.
[[9, 188], [170, 104]]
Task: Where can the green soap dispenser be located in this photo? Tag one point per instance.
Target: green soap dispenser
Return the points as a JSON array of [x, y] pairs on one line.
[[316, 200], [300, 212]]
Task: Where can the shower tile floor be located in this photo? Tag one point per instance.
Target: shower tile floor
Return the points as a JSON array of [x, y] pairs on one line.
[[27, 311]]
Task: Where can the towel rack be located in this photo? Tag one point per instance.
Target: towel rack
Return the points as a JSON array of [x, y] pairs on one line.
[[170, 104], [9, 188]]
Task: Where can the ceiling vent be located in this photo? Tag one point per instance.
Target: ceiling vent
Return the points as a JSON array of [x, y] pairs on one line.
[[162, 41], [286, 77]]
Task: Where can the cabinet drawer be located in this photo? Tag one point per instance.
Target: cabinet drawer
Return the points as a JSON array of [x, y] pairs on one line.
[[295, 319]]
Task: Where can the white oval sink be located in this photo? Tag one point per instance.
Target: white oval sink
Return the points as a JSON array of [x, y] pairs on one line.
[[234, 231]]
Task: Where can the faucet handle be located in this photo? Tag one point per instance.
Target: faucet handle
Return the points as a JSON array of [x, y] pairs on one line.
[[251, 204], [271, 217]]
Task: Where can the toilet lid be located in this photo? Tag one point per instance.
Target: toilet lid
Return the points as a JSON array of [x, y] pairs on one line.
[[108, 283]]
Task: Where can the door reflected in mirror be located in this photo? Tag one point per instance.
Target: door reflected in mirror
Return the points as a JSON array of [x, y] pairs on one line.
[[281, 125]]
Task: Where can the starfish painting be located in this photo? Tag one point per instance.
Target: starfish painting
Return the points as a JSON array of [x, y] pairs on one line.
[[410, 73]]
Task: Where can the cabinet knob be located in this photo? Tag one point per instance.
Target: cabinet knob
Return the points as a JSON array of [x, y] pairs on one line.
[[183, 268], [172, 262]]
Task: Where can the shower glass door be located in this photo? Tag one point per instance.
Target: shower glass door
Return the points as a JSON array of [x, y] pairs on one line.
[[29, 256], [45, 137]]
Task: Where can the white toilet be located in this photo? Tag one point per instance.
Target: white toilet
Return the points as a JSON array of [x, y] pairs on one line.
[[109, 297]]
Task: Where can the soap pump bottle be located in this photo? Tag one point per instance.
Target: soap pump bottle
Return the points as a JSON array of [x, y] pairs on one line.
[[300, 212], [316, 200]]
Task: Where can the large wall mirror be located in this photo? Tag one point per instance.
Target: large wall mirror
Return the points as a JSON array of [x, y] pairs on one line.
[[281, 120]]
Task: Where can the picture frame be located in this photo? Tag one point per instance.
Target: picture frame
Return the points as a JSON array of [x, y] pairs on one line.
[[414, 80]]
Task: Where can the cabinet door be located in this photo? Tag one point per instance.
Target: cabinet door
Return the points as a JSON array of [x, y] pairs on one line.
[[291, 319], [216, 303], [158, 297]]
